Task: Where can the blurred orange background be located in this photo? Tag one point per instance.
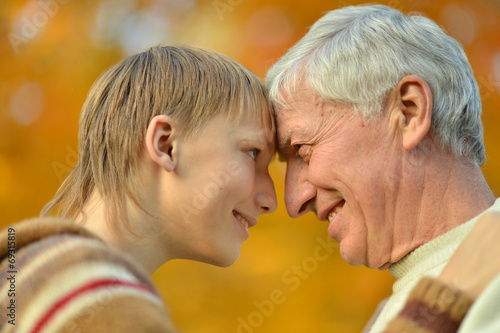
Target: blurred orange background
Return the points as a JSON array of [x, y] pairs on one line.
[[290, 277]]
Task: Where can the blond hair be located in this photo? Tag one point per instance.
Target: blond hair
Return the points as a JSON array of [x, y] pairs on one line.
[[191, 85]]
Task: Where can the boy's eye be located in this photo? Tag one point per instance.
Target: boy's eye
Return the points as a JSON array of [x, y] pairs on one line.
[[253, 153]]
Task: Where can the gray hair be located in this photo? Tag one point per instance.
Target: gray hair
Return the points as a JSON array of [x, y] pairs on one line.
[[357, 54]]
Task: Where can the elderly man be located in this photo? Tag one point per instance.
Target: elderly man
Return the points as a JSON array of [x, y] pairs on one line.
[[379, 121]]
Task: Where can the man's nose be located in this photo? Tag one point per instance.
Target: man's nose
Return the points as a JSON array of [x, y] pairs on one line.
[[299, 192]]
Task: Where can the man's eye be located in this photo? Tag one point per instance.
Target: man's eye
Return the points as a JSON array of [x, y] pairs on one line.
[[253, 153], [297, 147], [302, 151]]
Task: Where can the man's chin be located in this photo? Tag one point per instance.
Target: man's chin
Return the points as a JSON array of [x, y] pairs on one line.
[[385, 266], [358, 257], [351, 257]]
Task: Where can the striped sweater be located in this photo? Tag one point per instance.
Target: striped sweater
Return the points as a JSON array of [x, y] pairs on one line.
[[56, 276], [433, 306]]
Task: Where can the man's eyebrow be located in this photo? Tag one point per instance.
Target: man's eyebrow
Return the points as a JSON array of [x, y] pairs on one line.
[[285, 142], [282, 145]]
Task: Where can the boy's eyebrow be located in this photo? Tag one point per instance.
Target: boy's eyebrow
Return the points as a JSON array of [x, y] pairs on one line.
[[269, 142]]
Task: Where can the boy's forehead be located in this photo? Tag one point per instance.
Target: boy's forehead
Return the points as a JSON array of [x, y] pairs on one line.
[[255, 128], [258, 112], [256, 131]]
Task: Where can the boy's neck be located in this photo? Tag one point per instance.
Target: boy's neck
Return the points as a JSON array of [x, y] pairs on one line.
[[142, 246]]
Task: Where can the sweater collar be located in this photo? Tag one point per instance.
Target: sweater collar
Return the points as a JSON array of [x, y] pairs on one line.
[[437, 251], [32, 230]]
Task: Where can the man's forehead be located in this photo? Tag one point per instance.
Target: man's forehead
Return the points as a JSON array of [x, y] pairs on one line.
[[297, 98], [299, 110], [289, 121]]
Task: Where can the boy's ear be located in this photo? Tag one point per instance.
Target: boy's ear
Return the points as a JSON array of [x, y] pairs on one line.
[[413, 103], [161, 142]]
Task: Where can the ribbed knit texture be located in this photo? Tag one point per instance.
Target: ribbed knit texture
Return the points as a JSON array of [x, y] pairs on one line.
[[68, 280], [427, 260], [433, 306]]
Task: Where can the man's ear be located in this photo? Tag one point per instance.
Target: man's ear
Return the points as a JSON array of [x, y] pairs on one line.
[[161, 142], [413, 101]]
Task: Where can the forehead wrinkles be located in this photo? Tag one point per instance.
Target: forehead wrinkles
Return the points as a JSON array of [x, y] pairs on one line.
[[306, 112], [310, 116], [334, 122], [299, 104], [301, 97]]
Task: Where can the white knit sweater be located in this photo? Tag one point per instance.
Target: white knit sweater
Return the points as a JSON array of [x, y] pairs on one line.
[[427, 260]]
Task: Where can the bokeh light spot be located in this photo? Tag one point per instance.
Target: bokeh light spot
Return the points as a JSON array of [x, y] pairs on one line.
[[142, 30], [27, 103], [270, 27], [496, 70], [461, 22]]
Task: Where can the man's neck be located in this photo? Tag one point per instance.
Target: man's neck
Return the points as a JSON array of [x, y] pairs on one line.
[[448, 191]]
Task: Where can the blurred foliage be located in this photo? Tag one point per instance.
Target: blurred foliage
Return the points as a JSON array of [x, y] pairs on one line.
[[52, 50]]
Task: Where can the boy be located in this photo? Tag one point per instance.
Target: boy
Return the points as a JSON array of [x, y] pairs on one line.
[[174, 148]]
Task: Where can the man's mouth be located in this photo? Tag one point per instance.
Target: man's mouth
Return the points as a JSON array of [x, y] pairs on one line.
[[335, 210]]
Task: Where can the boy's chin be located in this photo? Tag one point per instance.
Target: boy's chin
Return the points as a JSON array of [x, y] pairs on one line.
[[221, 257], [225, 260]]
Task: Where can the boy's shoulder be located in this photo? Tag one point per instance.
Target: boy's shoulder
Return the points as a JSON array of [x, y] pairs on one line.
[[63, 277], [34, 229]]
